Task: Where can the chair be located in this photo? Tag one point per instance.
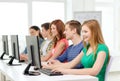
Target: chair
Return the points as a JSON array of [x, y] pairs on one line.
[[108, 68]]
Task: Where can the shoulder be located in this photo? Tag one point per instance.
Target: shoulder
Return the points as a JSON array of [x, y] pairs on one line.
[[64, 41], [81, 44], [102, 47]]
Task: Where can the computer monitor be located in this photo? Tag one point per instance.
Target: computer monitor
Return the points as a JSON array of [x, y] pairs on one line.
[[32, 43], [15, 49], [5, 46], [34, 58]]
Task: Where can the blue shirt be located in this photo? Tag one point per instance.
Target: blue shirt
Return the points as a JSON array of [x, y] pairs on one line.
[[40, 42], [70, 53]]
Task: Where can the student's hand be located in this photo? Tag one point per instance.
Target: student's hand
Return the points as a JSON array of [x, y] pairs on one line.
[[23, 57], [53, 62], [47, 66], [61, 70]]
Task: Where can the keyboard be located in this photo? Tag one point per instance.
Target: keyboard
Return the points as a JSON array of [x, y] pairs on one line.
[[49, 73]]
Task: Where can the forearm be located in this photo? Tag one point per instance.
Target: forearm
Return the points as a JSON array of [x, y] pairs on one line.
[[86, 71], [67, 65]]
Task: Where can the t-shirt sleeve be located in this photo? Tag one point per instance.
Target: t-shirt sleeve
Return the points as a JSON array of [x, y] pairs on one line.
[[65, 41], [103, 47]]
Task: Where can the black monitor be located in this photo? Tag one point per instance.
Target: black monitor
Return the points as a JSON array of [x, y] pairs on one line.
[[15, 49], [32, 43], [5, 46]]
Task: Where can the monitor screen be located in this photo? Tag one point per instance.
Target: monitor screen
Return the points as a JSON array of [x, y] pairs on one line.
[[32, 43], [5, 46], [15, 49]]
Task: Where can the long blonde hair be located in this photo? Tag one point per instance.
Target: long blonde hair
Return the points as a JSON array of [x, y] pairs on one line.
[[97, 37]]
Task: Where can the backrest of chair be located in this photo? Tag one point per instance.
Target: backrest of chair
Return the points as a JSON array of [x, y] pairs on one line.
[[108, 67]]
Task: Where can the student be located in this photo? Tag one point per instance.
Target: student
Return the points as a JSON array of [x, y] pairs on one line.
[[72, 32], [57, 28], [34, 31], [94, 56], [47, 43]]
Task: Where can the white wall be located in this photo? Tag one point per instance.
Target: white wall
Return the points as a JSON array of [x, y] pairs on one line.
[[72, 6], [112, 36]]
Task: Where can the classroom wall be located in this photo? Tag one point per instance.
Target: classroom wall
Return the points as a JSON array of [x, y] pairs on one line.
[[72, 6]]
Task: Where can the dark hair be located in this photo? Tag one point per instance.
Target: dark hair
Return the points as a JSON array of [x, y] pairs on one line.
[[60, 28], [37, 29], [74, 24], [45, 25]]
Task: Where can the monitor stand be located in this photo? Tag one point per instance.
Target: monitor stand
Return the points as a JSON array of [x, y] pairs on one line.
[[1, 57], [11, 62], [31, 73]]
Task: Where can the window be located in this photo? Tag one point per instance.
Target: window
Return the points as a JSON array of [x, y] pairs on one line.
[[13, 20], [46, 12], [17, 15]]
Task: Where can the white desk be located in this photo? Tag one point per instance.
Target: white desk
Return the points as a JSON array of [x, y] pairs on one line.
[[15, 73]]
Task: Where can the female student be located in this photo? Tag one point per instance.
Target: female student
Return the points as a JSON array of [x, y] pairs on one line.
[[94, 56], [34, 31], [57, 28]]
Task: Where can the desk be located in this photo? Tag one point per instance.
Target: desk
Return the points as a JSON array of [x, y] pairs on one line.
[[15, 73]]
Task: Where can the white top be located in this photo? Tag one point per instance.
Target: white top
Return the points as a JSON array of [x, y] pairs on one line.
[[44, 46]]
